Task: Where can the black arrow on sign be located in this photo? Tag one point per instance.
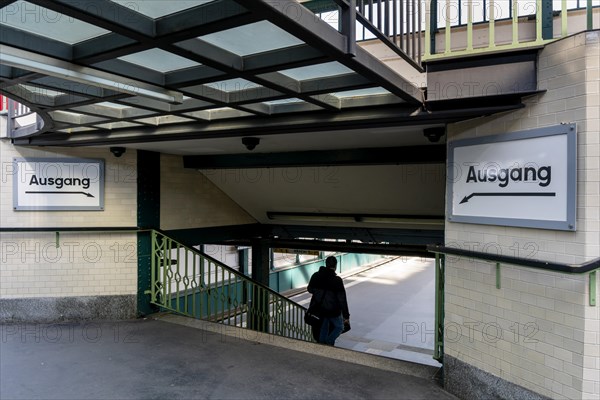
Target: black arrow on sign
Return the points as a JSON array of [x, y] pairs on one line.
[[85, 193], [517, 194]]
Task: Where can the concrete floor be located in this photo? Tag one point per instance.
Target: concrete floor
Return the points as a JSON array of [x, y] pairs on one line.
[[178, 358], [167, 356]]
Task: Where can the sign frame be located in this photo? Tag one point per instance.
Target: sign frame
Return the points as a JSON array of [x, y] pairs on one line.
[[99, 206], [568, 223]]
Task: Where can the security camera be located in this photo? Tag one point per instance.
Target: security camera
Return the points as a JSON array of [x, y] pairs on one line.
[[250, 142], [434, 134], [118, 151]]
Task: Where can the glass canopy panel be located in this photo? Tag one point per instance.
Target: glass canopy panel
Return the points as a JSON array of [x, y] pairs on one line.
[[160, 8], [361, 92], [75, 130], [159, 60], [284, 101], [42, 91], [317, 71], [117, 125], [113, 105], [47, 23], [233, 85], [253, 38]]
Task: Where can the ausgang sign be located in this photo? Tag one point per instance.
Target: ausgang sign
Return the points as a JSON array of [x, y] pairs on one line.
[[525, 179], [58, 184]]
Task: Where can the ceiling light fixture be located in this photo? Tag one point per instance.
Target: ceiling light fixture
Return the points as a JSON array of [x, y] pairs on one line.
[[432, 221], [29, 61]]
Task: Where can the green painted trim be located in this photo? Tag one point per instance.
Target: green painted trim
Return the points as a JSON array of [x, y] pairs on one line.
[[498, 278], [448, 33], [486, 50], [547, 20], [438, 351], [593, 293], [563, 18], [515, 23], [148, 216], [589, 15], [294, 277], [470, 27], [492, 26]]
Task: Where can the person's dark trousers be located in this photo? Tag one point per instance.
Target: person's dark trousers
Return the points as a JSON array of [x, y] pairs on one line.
[[330, 329]]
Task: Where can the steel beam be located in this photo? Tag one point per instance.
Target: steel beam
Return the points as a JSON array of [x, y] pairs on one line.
[[371, 156], [309, 122], [104, 14], [302, 23]]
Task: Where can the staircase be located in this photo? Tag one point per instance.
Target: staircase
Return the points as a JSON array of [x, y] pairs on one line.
[[191, 283]]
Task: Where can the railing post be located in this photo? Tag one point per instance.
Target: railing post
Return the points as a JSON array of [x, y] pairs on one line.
[[429, 46], [9, 118], [153, 266], [438, 351], [589, 15], [349, 27], [547, 20], [492, 26], [260, 273], [470, 25], [538, 21], [515, 22], [592, 288], [563, 18]]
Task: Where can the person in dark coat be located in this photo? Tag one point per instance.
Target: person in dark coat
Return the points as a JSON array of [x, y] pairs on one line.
[[329, 295]]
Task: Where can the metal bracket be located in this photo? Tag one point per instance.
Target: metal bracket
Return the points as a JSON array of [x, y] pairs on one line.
[[349, 26], [593, 293], [498, 277]]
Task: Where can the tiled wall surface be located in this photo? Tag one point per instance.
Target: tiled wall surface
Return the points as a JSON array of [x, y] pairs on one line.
[[538, 329], [42, 264]]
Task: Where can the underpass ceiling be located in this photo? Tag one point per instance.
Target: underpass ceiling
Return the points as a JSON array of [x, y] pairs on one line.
[[192, 77]]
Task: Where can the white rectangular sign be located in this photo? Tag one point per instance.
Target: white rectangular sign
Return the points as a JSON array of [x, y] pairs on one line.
[[525, 179], [58, 184]]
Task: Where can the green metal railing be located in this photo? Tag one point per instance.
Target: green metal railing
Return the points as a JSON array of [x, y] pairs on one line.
[[505, 25], [188, 282], [453, 11]]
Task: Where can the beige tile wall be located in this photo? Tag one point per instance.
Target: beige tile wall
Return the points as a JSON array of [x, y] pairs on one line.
[[83, 264], [538, 330]]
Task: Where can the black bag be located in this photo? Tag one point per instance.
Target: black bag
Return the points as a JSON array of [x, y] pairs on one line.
[[312, 318], [347, 326]]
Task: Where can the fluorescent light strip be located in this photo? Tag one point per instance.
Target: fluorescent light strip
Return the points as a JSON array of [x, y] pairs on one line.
[[13, 57], [357, 218]]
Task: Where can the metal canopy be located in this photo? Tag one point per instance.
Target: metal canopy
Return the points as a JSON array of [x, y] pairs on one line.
[[96, 68]]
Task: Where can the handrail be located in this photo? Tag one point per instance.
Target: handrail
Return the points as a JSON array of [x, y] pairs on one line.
[[588, 266], [189, 282]]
